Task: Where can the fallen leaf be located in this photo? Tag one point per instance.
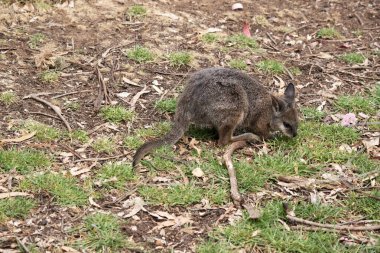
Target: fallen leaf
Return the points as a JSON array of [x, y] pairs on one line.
[[253, 212], [92, 202], [138, 205], [349, 120], [237, 6], [371, 143], [324, 55], [123, 94], [19, 139], [198, 172], [69, 249], [246, 29]]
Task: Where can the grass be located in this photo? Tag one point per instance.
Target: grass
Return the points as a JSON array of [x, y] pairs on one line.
[[23, 160], [114, 175], [8, 98], [49, 76], [358, 103], [313, 114], [179, 59], [295, 71], [353, 58], [140, 54], [80, 136], [271, 66], [64, 190], [104, 145], [103, 233], [328, 33], [116, 114], [166, 105], [43, 132], [271, 233], [242, 41], [18, 207], [133, 142], [238, 64], [156, 130], [36, 40], [210, 38], [364, 205], [137, 11], [73, 106]]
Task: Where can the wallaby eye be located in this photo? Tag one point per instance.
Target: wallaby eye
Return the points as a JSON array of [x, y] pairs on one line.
[[288, 126]]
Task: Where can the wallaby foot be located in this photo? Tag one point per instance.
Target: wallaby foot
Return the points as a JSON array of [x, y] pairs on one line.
[[226, 136], [246, 137]]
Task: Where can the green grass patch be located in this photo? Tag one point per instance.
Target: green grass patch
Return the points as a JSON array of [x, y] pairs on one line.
[[18, 207], [80, 136], [156, 130], [43, 132], [8, 98], [353, 58], [271, 235], [310, 113], [211, 246], [137, 11], [322, 213], [36, 40], [167, 105], [295, 71], [179, 59], [49, 76], [103, 233], [238, 64], [364, 205], [328, 33], [271, 66], [64, 190], [73, 106], [23, 161], [140, 54], [114, 175], [358, 103], [210, 38], [133, 142], [242, 41], [116, 114], [104, 145]]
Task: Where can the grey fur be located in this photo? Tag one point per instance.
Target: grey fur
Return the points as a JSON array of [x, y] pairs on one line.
[[227, 99]]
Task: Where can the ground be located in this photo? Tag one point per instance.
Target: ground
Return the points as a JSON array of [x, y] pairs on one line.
[[113, 70]]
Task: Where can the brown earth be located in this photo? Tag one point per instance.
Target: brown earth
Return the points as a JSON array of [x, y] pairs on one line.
[[97, 32]]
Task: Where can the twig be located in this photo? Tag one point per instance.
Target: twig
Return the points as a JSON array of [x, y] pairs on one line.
[[55, 108], [235, 195], [103, 91], [294, 30], [98, 159], [358, 18], [168, 74], [70, 93], [22, 245], [372, 28], [271, 38], [45, 114], [137, 96], [71, 150], [316, 225], [342, 40]]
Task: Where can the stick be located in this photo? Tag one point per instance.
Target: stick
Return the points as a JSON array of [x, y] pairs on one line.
[[136, 97], [55, 108], [316, 225], [103, 91], [235, 195]]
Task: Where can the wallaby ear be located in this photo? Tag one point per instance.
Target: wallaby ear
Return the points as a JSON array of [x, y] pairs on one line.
[[290, 93], [277, 105]]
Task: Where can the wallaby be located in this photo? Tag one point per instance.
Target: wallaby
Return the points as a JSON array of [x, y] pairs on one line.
[[227, 99]]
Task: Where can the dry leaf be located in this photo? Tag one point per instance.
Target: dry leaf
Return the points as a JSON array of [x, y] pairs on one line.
[[92, 202], [237, 6], [138, 205], [198, 172], [19, 139], [253, 212]]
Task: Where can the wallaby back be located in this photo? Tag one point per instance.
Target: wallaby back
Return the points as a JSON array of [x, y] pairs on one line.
[[227, 99]]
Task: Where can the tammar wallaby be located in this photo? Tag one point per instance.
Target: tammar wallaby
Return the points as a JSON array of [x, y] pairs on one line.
[[227, 99]]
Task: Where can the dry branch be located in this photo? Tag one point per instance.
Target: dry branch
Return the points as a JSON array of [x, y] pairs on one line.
[[318, 226], [102, 92], [235, 195], [137, 96], [55, 108]]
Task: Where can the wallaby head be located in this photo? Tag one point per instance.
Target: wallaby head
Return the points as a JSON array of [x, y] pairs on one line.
[[285, 116]]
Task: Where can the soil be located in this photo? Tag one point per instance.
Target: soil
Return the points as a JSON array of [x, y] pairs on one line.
[[97, 33]]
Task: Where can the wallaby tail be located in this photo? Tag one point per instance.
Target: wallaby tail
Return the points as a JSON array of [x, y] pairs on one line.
[[178, 129]]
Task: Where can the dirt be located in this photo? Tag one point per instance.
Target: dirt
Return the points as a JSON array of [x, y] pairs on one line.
[[82, 34]]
